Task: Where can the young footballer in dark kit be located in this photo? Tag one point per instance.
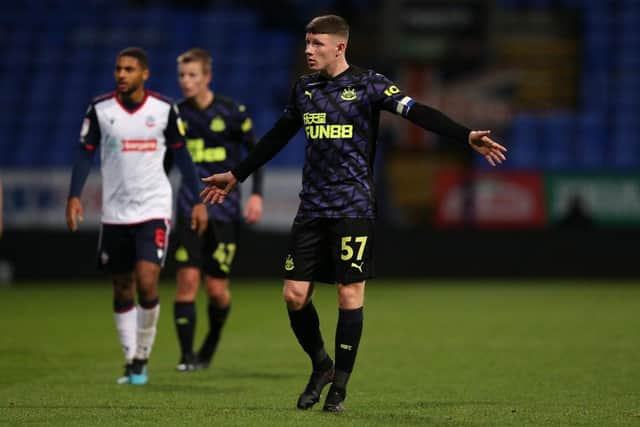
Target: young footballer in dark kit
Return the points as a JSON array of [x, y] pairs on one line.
[[332, 238], [219, 133]]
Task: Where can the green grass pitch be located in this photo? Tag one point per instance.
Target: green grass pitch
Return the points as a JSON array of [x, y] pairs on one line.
[[444, 353]]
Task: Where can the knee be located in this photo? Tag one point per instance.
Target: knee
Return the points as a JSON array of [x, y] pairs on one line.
[[218, 290], [123, 286], [145, 281], [294, 298], [350, 296], [147, 274], [188, 282]]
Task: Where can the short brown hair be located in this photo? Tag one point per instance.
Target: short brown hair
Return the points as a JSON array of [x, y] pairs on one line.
[[137, 53], [328, 24], [197, 54]]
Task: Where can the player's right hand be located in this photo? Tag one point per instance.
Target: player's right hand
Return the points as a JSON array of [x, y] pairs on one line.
[[74, 213], [218, 186], [199, 218]]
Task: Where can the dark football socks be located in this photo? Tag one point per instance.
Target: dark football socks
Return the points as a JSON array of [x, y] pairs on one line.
[[184, 314], [348, 333], [306, 326], [217, 318]]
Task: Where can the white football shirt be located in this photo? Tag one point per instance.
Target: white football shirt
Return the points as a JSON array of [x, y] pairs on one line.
[[135, 187]]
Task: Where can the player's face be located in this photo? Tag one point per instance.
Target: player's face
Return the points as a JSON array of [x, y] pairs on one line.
[[193, 79], [322, 50], [129, 74]]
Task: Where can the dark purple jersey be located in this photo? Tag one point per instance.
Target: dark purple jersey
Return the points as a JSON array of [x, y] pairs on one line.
[[340, 117], [218, 138]]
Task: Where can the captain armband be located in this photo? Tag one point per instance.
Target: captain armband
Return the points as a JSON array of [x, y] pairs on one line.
[[404, 105]]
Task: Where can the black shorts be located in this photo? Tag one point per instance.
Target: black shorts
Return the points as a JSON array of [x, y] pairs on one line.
[[213, 252], [331, 250], [120, 246]]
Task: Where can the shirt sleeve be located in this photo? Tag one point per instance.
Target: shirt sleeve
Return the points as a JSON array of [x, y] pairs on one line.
[[90, 130], [248, 138], [174, 134], [386, 95], [435, 121], [268, 146], [291, 111], [175, 131], [89, 141]]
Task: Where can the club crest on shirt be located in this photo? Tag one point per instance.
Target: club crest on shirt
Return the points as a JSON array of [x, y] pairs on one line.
[[150, 121], [288, 263], [217, 124], [348, 94], [182, 255]]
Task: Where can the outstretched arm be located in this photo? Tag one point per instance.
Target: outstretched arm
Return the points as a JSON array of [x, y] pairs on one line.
[[433, 120], [268, 146], [219, 185]]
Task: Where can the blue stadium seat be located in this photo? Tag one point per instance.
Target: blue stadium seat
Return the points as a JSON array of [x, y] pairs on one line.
[[591, 141], [22, 36], [7, 140], [244, 18], [625, 149], [214, 24], [27, 151], [594, 91], [66, 143], [557, 132], [71, 117], [524, 142]]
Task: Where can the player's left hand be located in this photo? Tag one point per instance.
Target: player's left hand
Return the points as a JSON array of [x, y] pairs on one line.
[[492, 151], [199, 218], [253, 210]]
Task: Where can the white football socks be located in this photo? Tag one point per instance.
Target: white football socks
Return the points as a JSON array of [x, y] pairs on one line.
[[147, 321], [127, 325]]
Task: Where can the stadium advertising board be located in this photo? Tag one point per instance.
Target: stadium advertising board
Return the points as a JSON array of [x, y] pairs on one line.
[[610, 200], [489, 199], [36, 199]]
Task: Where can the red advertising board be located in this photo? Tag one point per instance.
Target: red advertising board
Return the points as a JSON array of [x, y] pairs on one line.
[[489, 199]]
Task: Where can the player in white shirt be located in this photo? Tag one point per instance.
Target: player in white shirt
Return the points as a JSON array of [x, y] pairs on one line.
[[133, 128]]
